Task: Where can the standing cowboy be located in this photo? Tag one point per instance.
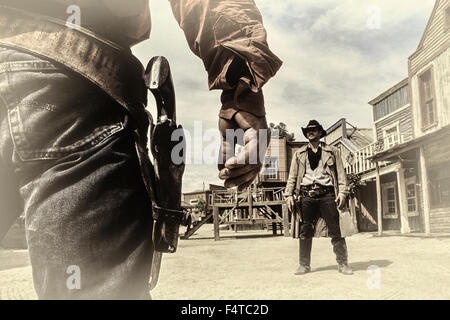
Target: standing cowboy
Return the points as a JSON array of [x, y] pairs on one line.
[[318, 180]]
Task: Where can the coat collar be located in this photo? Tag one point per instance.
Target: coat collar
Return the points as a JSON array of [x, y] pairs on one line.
[[323, 145], [327, 152]]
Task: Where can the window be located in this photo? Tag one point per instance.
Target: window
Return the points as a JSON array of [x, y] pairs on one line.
[[427, 105], [389, 197], [270, 168], [439, 190], [391, 136], [391, 103], [411, 196]]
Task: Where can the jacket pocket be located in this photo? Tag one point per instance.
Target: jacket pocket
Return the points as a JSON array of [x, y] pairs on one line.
[[53, 112]]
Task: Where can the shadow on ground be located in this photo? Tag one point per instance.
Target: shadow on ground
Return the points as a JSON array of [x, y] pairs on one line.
[[358, 266], [238, 236], [417, 235]]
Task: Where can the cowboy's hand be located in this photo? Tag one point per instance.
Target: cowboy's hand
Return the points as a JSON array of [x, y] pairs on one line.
[[290, 203], [340, 201], [240, 170]]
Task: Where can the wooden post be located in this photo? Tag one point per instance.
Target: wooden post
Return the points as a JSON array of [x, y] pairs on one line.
[[353, 210], [216, 223], [404, 220], [425, 192], [250, 202], [285, 212], [379, 201]]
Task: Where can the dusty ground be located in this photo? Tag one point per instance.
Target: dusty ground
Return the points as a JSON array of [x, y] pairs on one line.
[[255, 265]]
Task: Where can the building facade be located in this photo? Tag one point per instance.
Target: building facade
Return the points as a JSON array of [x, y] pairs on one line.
[[408, 165]]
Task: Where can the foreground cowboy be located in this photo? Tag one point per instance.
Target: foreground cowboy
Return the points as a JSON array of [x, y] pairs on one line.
[[317, 178], [69, 113]]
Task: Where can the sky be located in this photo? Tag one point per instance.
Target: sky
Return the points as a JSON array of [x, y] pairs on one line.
[[337, 56]]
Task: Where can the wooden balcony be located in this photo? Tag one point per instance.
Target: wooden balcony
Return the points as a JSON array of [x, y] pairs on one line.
[[259, 196], [359, 161], [276, 176]]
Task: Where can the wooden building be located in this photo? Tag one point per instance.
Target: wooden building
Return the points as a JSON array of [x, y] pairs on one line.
[[408, 165], [350, 140], [261, 205], [190, 199]]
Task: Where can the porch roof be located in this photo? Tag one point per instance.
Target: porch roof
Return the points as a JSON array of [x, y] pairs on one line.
[[409, 145]]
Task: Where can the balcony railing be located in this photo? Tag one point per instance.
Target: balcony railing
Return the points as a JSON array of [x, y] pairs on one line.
[[275, 176], [359, 161], [239, 198]]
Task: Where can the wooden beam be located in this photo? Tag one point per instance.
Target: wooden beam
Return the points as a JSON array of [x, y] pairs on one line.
[[250, 201], [246, 204], [352, 206], [379, 203], [381, 171], [216, 223], [198, 226], [277, 216], [285, 212], [425, 192], [403, 202], [225, 216]]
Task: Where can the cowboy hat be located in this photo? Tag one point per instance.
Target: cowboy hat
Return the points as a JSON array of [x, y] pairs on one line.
[[314, 124]]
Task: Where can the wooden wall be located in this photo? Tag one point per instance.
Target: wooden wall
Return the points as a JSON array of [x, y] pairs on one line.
[[440, 220], [188, 197], [277, 148], [392, 102], [437, 155], [367, 204], [435, 37], [334, 135], [405, 123], [441, 79], [434, 52]]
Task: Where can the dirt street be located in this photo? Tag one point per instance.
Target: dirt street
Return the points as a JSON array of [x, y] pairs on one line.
[[255, 265]]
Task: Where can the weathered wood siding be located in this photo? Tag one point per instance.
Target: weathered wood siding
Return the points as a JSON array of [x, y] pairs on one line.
[[366, 204], [188, 197], [277, 148], [404, 119], [435, 38], [334, 135], [437, 152], [440, 220], [394, 101], [434, 52], [441, 78], [437, 155]]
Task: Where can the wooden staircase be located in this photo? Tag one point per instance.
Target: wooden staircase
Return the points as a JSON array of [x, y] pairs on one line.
[[198, 226]]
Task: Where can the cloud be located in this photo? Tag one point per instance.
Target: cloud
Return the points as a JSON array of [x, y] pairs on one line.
[[333, 63]]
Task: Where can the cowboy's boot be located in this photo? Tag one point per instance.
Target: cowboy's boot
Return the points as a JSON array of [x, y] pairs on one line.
[[305, 256], [340, 249]]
